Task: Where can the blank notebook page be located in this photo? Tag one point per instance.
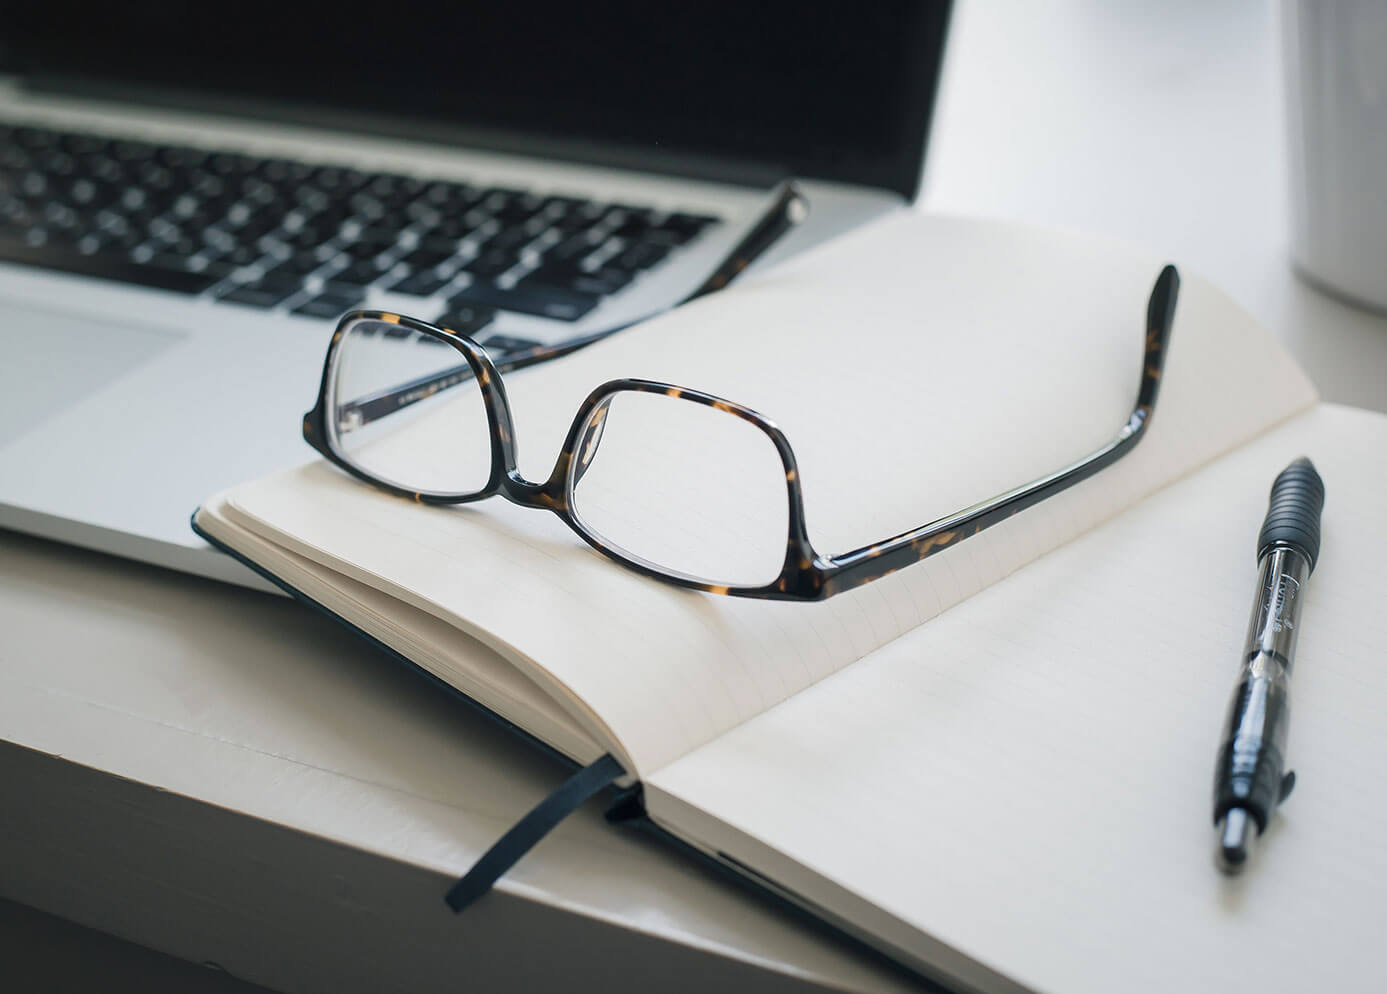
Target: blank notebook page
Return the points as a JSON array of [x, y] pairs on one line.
[[1028, 777], [917, 366]]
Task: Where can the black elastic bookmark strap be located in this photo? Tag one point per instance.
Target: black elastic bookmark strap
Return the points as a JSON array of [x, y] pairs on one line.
[[533, 827]]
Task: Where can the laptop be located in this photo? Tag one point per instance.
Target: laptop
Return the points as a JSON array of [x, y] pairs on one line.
[[188, 201]]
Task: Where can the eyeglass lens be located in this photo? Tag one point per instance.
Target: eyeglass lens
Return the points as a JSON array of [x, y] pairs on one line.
[[438, 445], [684, 486]]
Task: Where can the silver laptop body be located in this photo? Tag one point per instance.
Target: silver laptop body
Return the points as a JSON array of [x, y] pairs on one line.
[[157, 350]]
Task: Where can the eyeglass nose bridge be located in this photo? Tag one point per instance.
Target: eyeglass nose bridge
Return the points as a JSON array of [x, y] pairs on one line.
[[579, 449], [527, 493]]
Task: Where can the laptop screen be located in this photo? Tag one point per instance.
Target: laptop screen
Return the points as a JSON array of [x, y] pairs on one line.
[[837, 90]]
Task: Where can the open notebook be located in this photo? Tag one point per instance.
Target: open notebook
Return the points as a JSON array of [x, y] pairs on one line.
[[995, 765]]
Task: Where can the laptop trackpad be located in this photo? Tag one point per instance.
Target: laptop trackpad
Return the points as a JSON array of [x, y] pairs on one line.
[[54, 359]]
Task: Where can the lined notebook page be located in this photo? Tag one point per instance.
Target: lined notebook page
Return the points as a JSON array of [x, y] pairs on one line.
[[1027, 779], [917, 366]]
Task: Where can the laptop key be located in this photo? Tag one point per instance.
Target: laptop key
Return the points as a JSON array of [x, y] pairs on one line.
[[601, 283], [363, 249], [569, 204], [559, 305], [630, 222], [281, 278], [307, 237], [511, 206], [255, 295], [302, 263], [242, 255], [328, 305], [642, 255], [360, 272], [573, 247], [379, 238], [572, 222], [168, 260], [427, 256], [681, 227], [451, 228], [465, 319], [512, 238], [491, 263], [441, 193], [217, 269], [424, 283], [499, 345]]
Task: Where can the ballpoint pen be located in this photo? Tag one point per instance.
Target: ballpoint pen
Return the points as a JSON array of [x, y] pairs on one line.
[[1248, 779]]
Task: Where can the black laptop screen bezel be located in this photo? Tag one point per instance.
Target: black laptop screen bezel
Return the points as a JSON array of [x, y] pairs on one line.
[[741, 92]]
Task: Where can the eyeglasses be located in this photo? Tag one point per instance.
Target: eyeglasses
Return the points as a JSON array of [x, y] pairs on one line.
[[418, 423]]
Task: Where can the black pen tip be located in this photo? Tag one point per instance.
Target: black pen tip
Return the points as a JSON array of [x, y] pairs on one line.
[[1237, 832], [1231, 859]]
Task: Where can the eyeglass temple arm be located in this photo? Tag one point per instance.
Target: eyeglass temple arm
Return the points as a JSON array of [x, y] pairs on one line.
[[871, 562], [788, 207]]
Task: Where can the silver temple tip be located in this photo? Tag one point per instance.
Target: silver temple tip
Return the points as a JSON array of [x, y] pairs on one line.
[[1237, 834]]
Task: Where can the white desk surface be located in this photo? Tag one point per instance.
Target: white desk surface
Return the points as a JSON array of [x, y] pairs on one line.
[[219, 774]]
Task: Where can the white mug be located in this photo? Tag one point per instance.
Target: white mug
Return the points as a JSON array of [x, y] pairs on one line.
[[1335, 55]]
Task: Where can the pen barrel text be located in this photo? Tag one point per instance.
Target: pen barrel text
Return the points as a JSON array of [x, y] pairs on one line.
[[1275, 622]]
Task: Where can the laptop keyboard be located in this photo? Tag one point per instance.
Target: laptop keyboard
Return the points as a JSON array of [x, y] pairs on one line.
[[311, 239]]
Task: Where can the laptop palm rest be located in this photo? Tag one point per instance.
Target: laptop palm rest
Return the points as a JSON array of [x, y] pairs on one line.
[[56, 359]]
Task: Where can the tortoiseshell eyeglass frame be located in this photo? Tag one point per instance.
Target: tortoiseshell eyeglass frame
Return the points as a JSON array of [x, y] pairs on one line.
[[805, 574]]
